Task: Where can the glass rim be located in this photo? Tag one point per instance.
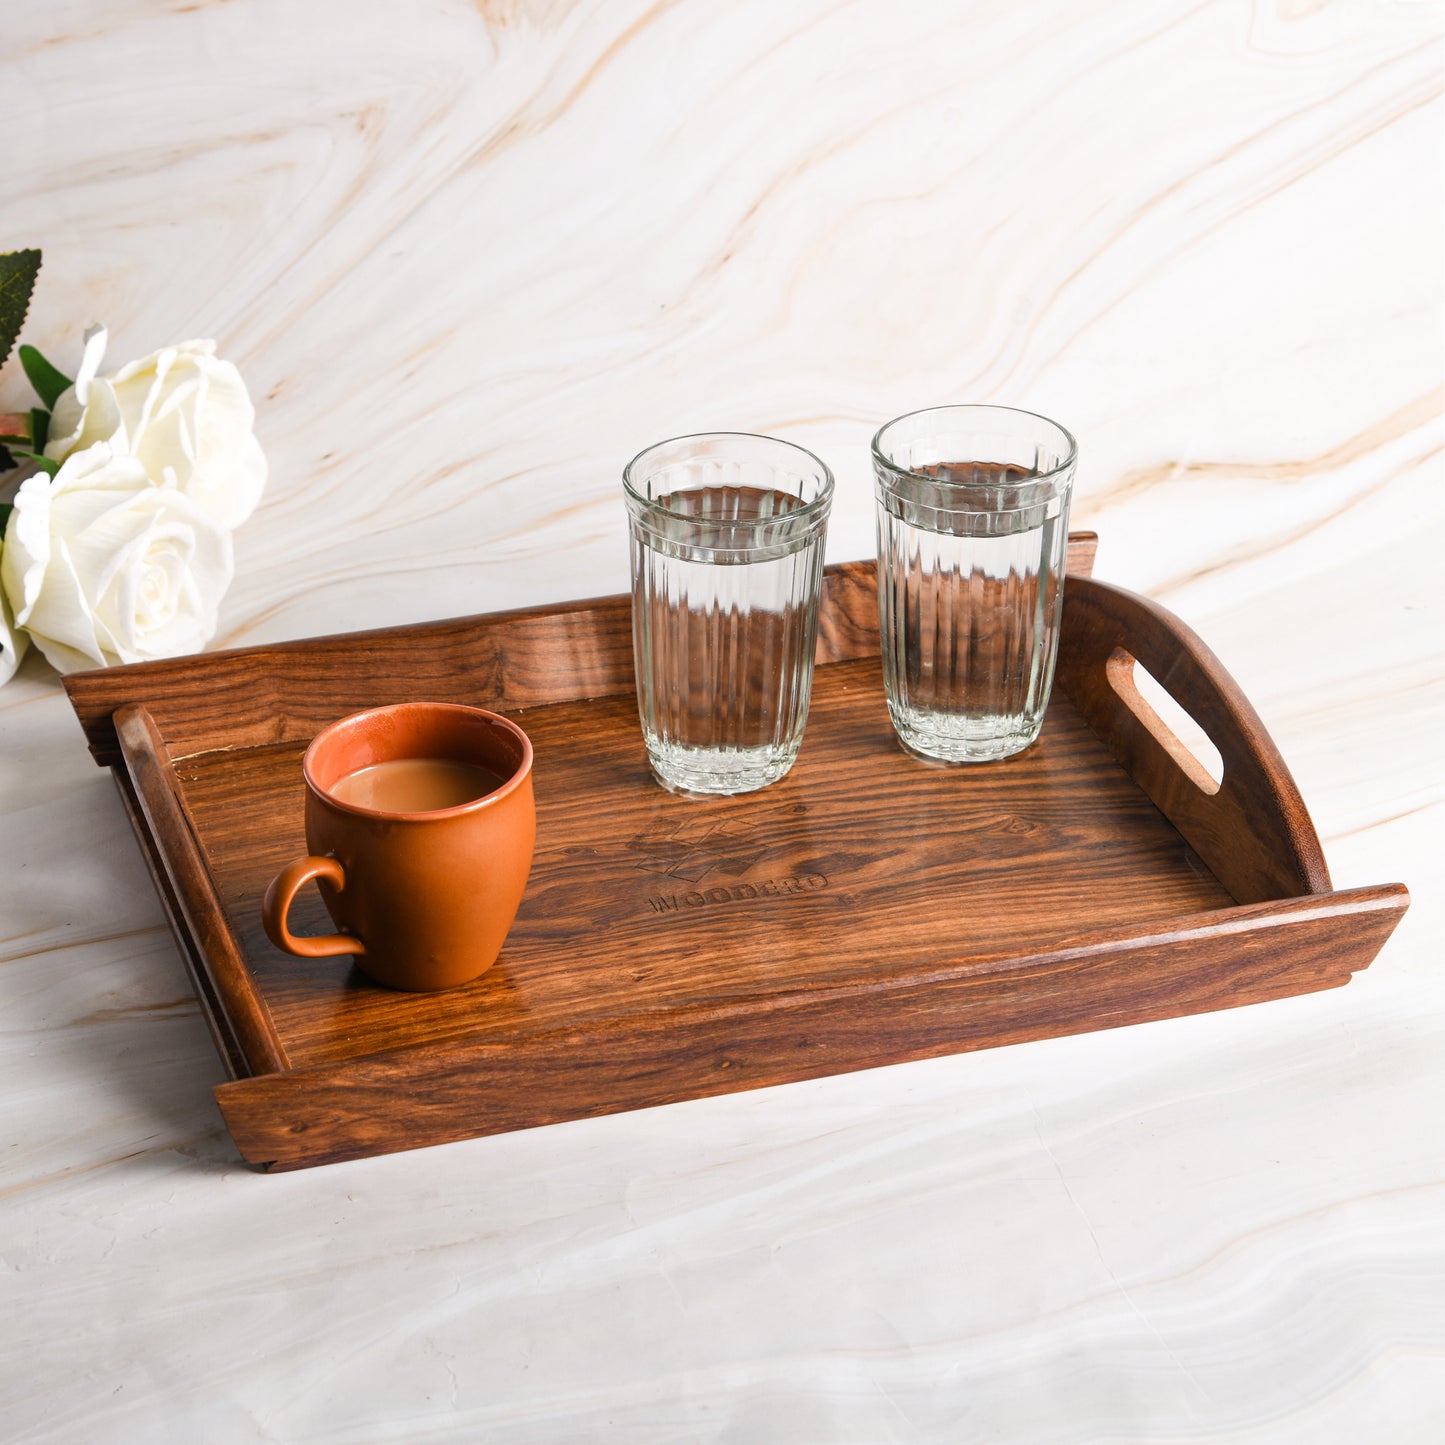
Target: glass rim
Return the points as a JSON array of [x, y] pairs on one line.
[[1032, 479], [805, 513]]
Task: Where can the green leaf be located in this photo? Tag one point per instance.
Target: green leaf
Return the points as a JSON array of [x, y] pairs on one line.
[[18, 270], [46, 464], [5, 509], [39, 428], [47, 380]]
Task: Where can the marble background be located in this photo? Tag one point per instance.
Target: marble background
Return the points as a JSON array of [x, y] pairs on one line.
[[470, 258]]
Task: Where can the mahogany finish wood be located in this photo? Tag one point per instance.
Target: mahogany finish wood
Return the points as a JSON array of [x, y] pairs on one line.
[[867, 910], [162, 807], [213, 1008], [469, 1088], [1254, 831], [641, 899]]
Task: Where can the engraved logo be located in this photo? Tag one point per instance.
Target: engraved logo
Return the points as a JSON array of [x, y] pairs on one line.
[[690, 851], [686, 852], [737, 893]]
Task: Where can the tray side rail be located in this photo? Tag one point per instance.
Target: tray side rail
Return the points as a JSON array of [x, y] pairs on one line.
[[1252, 829], [190, 891], [286, 692], [438, 1093], [213, 1008]]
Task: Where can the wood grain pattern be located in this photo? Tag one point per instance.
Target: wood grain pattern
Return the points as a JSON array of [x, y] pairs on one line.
[[212, 1004], [468, 1088], [868, 909], [163, 809], [639, 899], [1253, 831]]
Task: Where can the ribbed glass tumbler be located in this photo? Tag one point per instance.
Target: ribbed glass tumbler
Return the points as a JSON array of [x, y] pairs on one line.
[[727, 534], [973, 527]]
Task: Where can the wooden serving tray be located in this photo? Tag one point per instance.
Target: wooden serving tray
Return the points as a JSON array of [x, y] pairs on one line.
[[868, 909]]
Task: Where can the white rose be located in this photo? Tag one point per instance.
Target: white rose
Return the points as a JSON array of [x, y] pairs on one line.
[[12, 642], [184, 415], [103, 566]]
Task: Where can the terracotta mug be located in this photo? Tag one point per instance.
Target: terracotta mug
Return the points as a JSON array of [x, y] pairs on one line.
[[424, 899]]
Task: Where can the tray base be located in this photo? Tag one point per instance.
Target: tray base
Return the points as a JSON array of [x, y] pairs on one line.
[[862, 865]]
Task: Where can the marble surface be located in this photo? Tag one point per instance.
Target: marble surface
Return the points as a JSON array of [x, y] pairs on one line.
[[470, 259]]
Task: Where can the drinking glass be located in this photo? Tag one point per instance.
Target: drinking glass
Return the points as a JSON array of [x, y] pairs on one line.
[[973, 527], [727, 535]]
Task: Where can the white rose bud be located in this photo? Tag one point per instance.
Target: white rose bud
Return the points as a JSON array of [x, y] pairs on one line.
[[184, 415], [103, 566]]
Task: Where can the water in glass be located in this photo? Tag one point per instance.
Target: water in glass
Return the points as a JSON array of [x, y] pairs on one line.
[[724, 630], [969, 608]]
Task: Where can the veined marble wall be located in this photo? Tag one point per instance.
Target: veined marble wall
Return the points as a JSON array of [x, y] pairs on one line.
[[471, 258]]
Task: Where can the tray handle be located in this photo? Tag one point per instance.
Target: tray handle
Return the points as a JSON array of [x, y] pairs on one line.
[[1252, 829], [148, 762]]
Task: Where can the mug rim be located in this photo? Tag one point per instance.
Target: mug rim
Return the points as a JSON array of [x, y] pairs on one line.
[[1069, 461], [476, 805], [806, 513]]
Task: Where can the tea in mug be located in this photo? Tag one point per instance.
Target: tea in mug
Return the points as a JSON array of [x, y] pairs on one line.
[[415, 785]]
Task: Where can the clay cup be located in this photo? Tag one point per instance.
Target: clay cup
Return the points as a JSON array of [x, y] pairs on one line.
[[424, 900]]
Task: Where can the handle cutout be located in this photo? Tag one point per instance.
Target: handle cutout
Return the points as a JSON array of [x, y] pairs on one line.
[[1168, 723]]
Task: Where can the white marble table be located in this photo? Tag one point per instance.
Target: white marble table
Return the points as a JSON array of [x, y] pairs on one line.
[[470, 258]]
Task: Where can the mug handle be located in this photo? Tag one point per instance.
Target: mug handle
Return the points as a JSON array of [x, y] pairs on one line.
[[284, 887]]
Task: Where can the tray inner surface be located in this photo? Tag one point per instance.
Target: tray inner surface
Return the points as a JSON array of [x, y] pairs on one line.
[[863, 863]]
